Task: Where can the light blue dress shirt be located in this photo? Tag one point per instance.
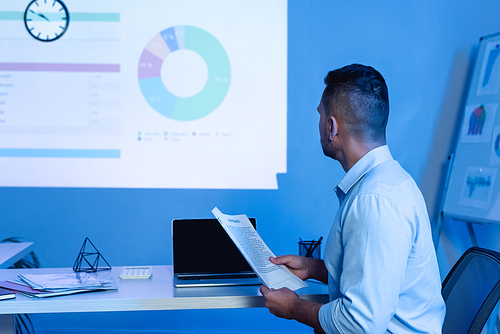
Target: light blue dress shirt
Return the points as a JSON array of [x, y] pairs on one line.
[[383, 272]]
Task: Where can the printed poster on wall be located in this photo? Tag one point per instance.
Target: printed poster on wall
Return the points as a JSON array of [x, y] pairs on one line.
[[489, 77], [495, 146], [478, 122], [477, 187]]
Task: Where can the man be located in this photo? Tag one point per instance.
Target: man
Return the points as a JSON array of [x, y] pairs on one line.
[[379, 259]]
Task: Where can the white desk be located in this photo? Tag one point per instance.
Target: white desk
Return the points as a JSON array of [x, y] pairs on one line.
[[11, 252], [156, 293]]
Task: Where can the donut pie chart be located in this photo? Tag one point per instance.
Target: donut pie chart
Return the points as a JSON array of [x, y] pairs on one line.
[[168, 104]]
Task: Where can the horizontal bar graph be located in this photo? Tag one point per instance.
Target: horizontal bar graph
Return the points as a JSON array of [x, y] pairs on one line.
[[58, 153], [59, 67], [77, 17]]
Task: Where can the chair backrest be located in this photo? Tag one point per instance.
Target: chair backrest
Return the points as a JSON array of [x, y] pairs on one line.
[[471, 290]]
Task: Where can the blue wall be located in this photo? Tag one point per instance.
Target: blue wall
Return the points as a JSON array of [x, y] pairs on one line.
[[425, 49]]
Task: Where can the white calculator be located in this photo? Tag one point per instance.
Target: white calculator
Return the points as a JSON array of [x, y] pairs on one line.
[[136, 272]]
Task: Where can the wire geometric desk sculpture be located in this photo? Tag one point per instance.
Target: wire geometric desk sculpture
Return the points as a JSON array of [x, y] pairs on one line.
[[88, 260]]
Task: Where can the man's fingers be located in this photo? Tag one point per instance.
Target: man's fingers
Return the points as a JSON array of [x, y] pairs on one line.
[[281, 259], [264, 289]]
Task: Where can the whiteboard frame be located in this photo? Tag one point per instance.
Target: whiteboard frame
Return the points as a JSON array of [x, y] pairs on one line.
[[450, 204]]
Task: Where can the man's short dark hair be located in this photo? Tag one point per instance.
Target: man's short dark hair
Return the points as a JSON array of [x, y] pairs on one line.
[[358, 95]]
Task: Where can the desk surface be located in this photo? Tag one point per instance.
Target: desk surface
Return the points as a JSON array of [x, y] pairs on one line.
[[11, 252], [156, 293]]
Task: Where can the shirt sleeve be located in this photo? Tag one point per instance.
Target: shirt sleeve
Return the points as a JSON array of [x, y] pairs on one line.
[[377, 235]]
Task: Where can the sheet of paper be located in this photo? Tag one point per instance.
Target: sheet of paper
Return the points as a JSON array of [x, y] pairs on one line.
[[65, 281], [256, 252]]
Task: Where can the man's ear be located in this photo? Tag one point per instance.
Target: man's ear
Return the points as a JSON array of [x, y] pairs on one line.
[[333, 127]]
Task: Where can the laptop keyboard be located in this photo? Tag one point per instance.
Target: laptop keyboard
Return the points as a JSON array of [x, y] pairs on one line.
[[217, 276]]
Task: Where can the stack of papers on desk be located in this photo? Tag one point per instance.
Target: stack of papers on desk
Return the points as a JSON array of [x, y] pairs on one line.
[[50, 285], [6, 294]]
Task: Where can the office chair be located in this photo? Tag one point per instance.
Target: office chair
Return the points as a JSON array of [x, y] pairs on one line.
[[471, 291]]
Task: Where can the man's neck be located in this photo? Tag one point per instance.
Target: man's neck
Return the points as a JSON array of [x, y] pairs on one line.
[[355, 150]]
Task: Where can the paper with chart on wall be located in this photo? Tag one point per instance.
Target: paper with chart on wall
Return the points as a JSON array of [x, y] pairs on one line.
[[477, 188], [256, 252], [478, 122], [489, 77]]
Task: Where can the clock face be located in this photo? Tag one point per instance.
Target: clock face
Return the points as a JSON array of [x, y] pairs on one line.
[[46, 20]]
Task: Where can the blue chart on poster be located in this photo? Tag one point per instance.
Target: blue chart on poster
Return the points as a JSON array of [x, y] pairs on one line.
[[160, 48], [497, 145], [473, 190], [492, 60]]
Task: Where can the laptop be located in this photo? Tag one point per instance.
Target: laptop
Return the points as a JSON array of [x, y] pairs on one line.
[[204, 255]]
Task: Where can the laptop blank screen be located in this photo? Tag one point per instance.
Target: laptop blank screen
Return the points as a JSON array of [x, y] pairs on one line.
[[202, 246]]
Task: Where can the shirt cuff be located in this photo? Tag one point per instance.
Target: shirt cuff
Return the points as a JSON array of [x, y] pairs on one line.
[[327, 319]]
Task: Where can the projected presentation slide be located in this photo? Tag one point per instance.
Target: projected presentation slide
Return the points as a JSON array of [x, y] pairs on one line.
[[143, 94]]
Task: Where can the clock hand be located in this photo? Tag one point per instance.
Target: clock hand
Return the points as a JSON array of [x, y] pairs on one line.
[[40, 14]]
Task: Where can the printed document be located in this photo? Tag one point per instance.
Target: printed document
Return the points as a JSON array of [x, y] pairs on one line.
[[256, 252]]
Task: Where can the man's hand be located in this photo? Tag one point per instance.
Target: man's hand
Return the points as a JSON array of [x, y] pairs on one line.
[[285, 303], [297, 264], [281, 302], [303, 267]]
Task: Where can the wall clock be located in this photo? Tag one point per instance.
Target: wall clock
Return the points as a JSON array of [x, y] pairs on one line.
[[46, 20]]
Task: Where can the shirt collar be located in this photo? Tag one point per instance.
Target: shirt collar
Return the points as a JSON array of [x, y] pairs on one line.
[[360, 168]]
